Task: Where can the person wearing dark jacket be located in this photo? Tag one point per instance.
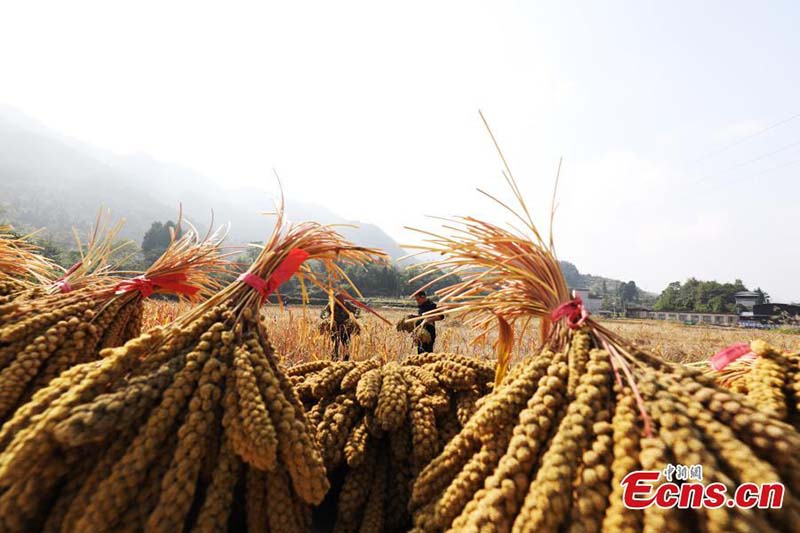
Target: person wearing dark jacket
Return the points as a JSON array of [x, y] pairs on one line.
[[424, 305]]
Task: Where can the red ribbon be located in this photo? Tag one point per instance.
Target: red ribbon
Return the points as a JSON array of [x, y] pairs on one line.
[[573, 310], [726, 356], [167, 283], [285, 270], [62, 284]]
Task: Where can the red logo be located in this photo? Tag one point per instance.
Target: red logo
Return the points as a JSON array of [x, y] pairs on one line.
[[642, 488]]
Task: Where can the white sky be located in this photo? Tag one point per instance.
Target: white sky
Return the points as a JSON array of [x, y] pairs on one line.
[[371, 109]]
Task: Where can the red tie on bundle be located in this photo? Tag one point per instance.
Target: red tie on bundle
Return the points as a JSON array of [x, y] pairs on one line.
[[726, 356], [573, 310], [286, 269], [173, 283], [62, 283]]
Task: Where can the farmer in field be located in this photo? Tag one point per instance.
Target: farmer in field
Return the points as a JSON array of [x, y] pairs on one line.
[[343, 325], [424, 305]]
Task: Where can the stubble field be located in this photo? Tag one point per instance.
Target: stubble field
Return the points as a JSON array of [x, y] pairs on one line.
[[295, 335]]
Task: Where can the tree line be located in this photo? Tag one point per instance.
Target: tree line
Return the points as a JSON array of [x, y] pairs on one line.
[[704, 296]]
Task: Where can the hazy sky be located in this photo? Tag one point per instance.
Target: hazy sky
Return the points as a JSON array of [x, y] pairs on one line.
[[371, 110]]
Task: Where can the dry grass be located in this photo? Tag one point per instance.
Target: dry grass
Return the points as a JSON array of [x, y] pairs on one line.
[[295, 335], [162, 312], [294, 332], [687, 344]]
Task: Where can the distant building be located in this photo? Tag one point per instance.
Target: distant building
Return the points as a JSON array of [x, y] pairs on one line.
[[752, 314], [591, 304], [775, 313], [636, 312], [712, 319], [746, 299]]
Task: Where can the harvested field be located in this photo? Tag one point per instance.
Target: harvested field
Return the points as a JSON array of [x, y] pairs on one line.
[[295, 335]]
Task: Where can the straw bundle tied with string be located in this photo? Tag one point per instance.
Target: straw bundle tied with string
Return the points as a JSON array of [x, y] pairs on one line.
[[548, 448], [732, 377], [43, 336], [191, 426], [770, 378], [22, 267], [729, 367], [95, 266]]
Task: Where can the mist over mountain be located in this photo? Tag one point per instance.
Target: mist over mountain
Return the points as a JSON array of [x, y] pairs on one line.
[[51, 181]]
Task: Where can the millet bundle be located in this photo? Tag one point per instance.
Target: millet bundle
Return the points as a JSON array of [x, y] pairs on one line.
[[379, 424], [768, 377], [733, 376], [43, 336], [408, 324], [193, 426], [22, 268], [547, 449], [94, 267]]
